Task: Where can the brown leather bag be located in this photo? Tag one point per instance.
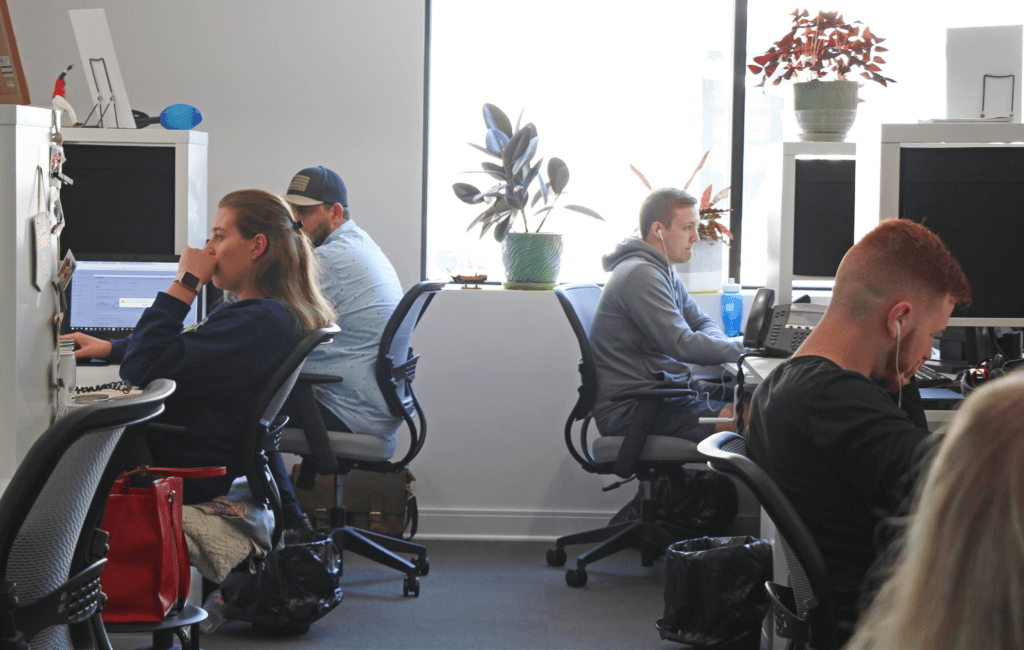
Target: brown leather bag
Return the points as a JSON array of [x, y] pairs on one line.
[[381, 503]]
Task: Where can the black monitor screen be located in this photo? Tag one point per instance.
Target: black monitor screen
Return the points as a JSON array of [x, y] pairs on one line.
[[973, 199], [822, 215], [121, 202]]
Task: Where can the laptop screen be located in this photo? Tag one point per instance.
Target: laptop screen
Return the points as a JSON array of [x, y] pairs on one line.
[[108, 298]]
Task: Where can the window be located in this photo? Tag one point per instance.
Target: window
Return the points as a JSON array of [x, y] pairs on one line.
[[646, 83], [916, 40]]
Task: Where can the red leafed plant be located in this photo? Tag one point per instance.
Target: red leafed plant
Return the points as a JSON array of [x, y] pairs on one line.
[[820, 46], [709, 229]]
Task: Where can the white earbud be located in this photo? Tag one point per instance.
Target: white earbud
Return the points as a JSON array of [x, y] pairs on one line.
[[899, 380]]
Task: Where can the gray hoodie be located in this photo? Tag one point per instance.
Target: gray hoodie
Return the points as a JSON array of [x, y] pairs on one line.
[[646, 329]]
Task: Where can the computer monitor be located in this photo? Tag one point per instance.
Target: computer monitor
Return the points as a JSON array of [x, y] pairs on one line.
[[823, 218], [972, 198], [107, 297], [122, 200]]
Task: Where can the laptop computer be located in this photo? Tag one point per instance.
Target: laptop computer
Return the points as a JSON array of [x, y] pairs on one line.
[[106, 297]]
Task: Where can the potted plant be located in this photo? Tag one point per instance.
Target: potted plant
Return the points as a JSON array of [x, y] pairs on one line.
[[532, 258], [703, 273], [821, 52]]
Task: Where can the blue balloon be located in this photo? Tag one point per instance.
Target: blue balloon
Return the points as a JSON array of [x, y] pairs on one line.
[[181, 117]]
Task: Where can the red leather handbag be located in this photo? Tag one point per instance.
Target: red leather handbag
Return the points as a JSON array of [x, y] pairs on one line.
[[147, 571]]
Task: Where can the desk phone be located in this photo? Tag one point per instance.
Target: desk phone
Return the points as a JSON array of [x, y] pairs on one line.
[[780, 331]]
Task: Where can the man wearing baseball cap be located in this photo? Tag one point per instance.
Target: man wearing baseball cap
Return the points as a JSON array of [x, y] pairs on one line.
[[363, 285]]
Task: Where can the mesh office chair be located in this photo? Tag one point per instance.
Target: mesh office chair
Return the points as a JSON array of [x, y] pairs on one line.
[[805, 613], [336, 453], [623, 453], [50, 560], [260, 434]]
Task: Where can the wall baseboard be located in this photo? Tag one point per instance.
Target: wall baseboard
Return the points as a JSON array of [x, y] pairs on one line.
[[527, 525]]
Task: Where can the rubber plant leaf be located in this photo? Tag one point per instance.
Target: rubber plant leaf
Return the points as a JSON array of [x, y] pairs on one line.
[[558, 175], [480, 217], [531, 148], [484, 149], [494, 170], [501, 229], [466, 193], [530, 175], [515, 148], [497, 142], [495, 118], [583, 210]]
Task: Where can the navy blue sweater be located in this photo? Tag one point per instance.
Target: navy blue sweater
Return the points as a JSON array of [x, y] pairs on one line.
[[219, 367]]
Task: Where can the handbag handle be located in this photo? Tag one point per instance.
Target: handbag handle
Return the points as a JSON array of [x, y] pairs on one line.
[[182, 472]]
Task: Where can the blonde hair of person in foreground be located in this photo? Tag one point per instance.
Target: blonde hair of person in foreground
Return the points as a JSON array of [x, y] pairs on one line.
[[959, 581]]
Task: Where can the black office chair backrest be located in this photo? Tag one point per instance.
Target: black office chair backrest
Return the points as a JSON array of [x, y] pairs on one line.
[[261, 434], [579, 302], [809, 578], [395, 368], [47, 506]]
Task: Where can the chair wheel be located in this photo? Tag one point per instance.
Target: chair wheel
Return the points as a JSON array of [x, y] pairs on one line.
[[422, 564], [411, 586], [556, 556], [576, 577]]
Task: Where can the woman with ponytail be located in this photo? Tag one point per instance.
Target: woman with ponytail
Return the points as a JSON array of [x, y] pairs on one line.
[[257, 252]]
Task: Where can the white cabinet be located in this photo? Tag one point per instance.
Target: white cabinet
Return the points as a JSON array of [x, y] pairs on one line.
[[781, 224], [190, 172], [28, 354]]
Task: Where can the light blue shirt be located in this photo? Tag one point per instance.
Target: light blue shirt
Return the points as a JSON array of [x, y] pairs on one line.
[[363, 285]]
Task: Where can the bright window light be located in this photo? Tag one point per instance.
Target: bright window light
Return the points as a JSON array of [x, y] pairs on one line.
[[916, 58], [646, 83]]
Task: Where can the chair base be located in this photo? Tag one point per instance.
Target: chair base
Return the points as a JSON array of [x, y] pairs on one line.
[[165, 631], [651, 536], [382, 549]]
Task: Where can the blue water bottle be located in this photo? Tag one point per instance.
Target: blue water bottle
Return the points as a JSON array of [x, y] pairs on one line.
[[732, 308]]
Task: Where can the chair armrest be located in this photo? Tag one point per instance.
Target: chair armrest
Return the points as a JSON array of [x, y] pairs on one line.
[[314, 378], [636, 438], [313, 427]]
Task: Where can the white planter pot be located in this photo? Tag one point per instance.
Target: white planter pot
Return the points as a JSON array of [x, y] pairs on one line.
[[825, 110], [703, 273]]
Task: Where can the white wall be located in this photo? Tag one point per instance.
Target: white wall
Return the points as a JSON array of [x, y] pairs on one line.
[[282, 86], [340, 83]]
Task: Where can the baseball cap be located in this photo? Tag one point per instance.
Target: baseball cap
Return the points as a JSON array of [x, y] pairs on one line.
[[315, 185]]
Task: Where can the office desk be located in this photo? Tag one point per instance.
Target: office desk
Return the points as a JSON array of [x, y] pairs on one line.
[[94, 375], [756, 369]]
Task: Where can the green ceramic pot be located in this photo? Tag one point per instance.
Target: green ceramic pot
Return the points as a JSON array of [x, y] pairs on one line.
[[532, 259]]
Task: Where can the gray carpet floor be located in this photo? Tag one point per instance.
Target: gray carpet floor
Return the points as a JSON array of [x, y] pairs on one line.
[[483, 595]]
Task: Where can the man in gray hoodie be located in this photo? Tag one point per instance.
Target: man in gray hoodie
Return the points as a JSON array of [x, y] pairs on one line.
[[647, 327]]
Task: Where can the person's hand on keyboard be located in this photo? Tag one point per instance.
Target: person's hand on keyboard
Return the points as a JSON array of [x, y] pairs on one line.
[[88, 347]]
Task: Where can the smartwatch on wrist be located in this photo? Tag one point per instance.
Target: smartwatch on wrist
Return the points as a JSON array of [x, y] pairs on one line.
[[189, 280]]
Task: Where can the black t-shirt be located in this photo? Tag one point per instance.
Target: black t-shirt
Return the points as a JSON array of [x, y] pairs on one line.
[[837, 445]]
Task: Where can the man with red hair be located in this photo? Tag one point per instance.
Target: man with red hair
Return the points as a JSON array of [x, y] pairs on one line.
[[837, 425]]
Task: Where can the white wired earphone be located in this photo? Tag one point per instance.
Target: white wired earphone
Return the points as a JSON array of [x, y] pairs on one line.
[[898, 382], [664, 250]]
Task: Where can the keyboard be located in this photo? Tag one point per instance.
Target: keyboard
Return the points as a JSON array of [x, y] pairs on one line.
[[930, 378]]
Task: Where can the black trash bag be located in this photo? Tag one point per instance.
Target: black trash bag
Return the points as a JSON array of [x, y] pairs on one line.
[[696, 499], [714, 591], [290, 588]]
